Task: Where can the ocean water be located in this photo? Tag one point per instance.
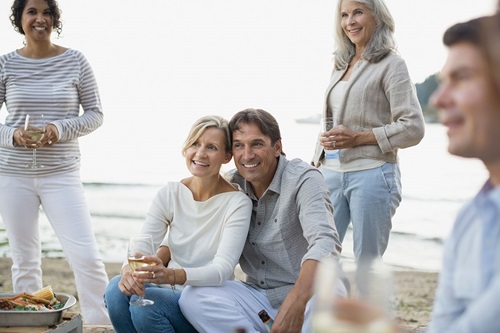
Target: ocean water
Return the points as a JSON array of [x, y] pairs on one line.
[[151, 98], [435, 185]]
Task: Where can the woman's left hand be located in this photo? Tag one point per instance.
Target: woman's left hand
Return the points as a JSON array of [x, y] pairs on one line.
[[342, 137], [153, 273], [339, 138], [51, 135]]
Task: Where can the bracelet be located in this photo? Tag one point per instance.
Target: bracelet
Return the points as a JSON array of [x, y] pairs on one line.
[[173, 284]]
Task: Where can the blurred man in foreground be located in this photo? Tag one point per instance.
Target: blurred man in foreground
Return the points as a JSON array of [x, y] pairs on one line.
[[468, 295]]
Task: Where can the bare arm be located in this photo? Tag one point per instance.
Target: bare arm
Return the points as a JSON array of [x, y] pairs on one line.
[[164, 254], [290, 317]]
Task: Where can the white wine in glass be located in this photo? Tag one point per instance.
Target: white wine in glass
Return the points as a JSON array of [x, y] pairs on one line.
[[366, 310], [140, 246], [34, 126], [140, 262]]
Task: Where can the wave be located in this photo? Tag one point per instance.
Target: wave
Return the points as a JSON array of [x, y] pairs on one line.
[[118, 216], [106, 184], [429, 199], [436, 240]]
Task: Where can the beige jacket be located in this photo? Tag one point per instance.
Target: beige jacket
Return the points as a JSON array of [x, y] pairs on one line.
[[380, 98]]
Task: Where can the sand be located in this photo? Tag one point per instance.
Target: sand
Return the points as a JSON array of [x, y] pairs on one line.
[[414, 290]]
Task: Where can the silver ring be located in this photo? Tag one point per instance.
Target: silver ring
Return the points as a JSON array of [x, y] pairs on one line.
[[333, 144], [50, 142], [154, 275]]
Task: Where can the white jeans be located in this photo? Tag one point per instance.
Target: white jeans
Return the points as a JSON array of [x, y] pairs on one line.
[[65, 205], [235, 304]]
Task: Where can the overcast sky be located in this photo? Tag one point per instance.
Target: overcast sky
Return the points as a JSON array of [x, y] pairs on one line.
[[108, 27], [161, 64]]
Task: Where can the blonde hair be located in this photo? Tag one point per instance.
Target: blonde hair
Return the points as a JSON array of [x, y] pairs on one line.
[[381, 42], [208, 122]]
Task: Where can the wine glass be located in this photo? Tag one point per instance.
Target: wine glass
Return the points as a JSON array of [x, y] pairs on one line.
[[367, 308], [140, 245], [328, 123], [34, 126]]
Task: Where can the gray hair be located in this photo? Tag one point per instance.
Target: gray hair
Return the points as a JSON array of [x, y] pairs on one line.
[[381, 42]]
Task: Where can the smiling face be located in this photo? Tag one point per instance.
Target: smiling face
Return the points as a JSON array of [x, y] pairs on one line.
[[357, 22], [37, 21], [468, 104], [206, 155], [255, 156]]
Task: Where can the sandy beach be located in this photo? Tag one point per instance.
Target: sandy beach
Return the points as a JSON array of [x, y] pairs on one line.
[[414, 290]]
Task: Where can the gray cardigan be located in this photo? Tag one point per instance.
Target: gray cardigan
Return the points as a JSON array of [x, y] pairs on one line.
[[379, 97]]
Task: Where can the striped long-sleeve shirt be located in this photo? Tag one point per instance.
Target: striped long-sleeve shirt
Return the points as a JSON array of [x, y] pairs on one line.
[[54, 87]]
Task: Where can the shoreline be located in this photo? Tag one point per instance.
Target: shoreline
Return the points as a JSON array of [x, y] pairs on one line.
[[413, 290]]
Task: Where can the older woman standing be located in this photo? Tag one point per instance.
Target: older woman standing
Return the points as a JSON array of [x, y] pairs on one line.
[[49, 82], [374, 101]]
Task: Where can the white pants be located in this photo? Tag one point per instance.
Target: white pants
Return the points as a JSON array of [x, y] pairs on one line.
[[65, 205], [235, 304]]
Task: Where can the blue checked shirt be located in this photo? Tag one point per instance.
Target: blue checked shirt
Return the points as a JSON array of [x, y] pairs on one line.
[[468, 295]]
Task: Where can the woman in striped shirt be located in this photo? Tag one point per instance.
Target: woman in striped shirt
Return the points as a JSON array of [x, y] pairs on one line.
[[42, 78]]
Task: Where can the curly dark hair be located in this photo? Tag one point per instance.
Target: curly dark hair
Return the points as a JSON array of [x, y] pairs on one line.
[[17, 13]]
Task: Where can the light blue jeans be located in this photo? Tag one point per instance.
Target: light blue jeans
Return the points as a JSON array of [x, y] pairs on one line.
[[368, 199], [163, 316]]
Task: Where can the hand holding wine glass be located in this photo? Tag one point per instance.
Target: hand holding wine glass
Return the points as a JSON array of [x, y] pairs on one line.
[[34, 127], [328, 142], [140, 246], [367, 308]]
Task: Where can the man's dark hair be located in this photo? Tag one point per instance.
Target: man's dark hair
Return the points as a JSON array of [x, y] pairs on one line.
[[491, 46], [261, 118], [483, 32], [469, 31]]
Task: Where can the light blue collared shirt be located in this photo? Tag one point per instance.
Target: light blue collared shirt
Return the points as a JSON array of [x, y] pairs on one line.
[[468, 295]]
